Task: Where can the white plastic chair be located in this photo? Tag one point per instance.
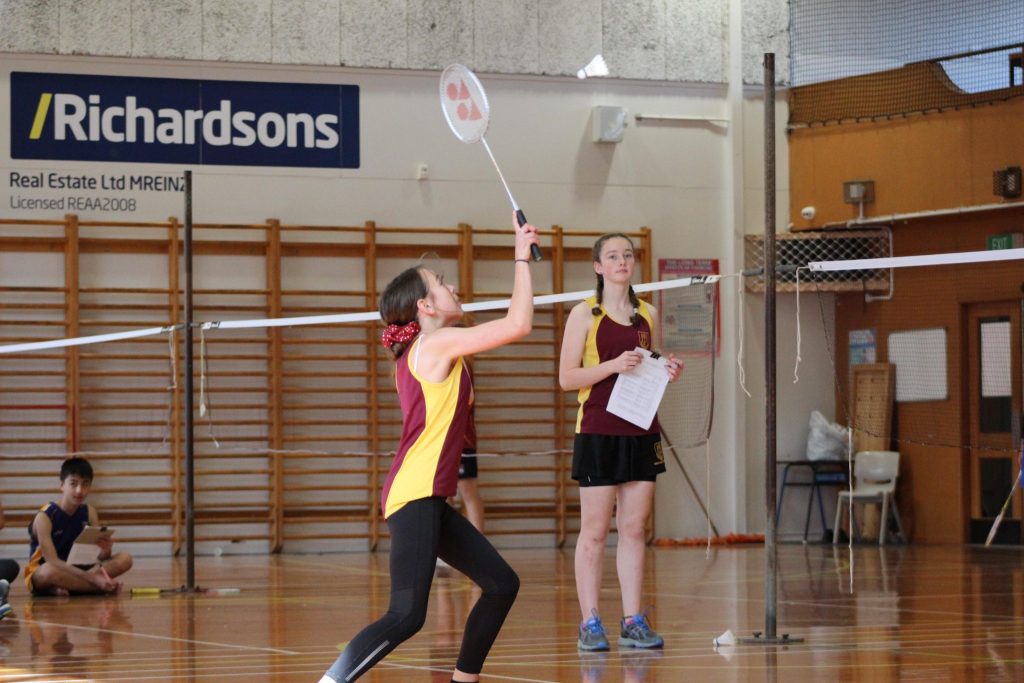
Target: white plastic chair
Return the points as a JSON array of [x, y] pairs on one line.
[[874, 474]]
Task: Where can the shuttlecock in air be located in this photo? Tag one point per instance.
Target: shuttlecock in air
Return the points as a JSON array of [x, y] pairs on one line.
[[596, 67]]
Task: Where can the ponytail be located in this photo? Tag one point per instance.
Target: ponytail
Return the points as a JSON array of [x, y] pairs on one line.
[[596, 310], [396, 338], [398, 309], [635, 318]]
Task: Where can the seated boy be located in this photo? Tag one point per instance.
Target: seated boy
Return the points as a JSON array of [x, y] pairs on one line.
[[53, 532]]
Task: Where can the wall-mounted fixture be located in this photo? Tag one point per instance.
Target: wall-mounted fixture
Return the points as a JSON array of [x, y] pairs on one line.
[[1006, 183], [608, 123], [859, 192]]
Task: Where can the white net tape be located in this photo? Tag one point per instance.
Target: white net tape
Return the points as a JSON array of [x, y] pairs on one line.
[[495, 305]]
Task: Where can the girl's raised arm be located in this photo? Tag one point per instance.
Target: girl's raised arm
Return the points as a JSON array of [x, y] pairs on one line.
[[452, 342]]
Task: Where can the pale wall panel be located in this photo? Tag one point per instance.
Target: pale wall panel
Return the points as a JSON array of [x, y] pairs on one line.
[[440, 32], [96, 27], [374, 33], [765, 29], [505, 36], [634, 38], [170, 29], [569, 34], [306, 32], [696, 41], [237, 30], [29, 26], [675, 40]]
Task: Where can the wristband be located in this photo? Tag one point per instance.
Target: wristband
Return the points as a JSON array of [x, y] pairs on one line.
[[522, 260]]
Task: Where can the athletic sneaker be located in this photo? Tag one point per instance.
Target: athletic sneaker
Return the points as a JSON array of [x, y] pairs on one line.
[[636, 632], [5, 607], [592, 635]]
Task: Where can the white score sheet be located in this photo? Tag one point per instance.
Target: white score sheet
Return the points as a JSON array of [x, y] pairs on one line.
[[637, 394], [85, 551]]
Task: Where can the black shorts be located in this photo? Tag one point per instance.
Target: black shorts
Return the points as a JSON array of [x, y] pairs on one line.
[[467, 465], [605, 460], [9, 570]]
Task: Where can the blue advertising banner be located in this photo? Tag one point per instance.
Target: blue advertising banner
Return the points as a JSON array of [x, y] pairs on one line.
[[183, 121]]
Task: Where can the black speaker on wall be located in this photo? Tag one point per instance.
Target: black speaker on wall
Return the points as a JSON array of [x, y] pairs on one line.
[[1006, 183]]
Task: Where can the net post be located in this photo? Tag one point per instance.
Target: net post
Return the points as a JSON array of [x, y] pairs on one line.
[[190, 527], [275, 410], [769, 636], [771, 565], [373, 438], [72, 315], [1019, 415], [558, 285], [174, 285]]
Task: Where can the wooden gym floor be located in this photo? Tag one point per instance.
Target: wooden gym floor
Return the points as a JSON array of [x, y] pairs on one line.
[[928, 613]]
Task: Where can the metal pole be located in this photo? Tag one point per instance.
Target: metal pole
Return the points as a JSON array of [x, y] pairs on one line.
[[770, 549], [1018, 415], [190, 525], [770, 555]]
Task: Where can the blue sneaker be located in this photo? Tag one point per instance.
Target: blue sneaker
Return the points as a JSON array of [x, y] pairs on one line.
[[592, 635], [636, 632]]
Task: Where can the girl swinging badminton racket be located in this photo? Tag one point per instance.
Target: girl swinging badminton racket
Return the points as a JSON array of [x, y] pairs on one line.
[[614, 461], [436, 393]]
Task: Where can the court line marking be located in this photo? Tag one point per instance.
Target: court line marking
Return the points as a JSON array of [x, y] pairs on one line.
[[336, 567], [132, 634], [490, 675], [118, 676]]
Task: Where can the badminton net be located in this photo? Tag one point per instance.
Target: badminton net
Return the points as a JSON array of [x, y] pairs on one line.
[[929, 366], [296, 415]]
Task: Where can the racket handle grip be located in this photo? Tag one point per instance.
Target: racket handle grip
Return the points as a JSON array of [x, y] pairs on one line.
[[534, 249]]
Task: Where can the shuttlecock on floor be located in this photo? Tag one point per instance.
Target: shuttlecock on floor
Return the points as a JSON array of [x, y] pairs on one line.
[[726, 638], [596, 67]]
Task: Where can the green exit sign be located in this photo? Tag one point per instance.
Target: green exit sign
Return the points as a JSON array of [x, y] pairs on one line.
[[1009, 240]]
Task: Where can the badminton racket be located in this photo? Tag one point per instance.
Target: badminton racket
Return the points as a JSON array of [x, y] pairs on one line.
[[1006, 504], [465, 108]]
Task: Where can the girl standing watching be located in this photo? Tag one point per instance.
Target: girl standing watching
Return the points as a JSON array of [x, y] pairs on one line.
[[614, 461]]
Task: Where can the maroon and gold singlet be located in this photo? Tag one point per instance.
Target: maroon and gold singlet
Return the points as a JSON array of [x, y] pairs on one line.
[[606, 340], [434, 416]]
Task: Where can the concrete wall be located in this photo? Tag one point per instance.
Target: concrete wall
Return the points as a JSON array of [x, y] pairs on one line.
[[675, 40]]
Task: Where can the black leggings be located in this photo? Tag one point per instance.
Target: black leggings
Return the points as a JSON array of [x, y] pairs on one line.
[[8, 570], [422, 531]]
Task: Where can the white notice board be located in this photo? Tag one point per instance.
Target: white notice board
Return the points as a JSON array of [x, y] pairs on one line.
[[920, 360]]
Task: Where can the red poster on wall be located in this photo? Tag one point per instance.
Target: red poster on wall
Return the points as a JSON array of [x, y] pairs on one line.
[[688, 313]]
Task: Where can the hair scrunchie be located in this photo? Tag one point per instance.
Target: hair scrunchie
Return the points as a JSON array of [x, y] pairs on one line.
[[399, 334]]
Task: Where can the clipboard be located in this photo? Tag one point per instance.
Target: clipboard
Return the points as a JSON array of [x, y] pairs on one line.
[[86, 551]]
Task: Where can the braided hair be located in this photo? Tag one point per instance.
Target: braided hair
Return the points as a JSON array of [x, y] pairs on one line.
[[398, 304], [634, 319]]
